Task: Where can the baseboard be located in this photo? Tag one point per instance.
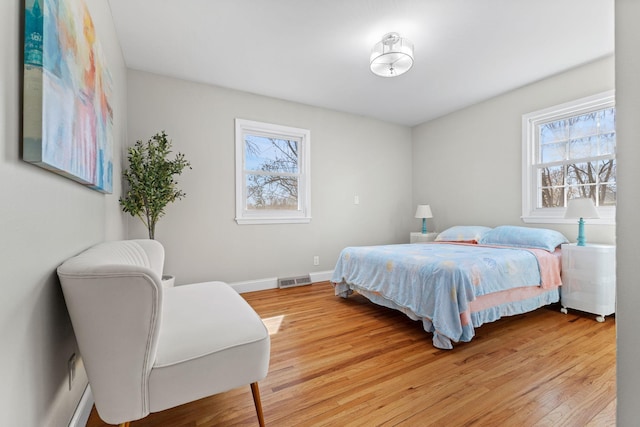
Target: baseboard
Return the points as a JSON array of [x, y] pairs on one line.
[[255, 285], [83, 410], [272, 283], [321, 276]]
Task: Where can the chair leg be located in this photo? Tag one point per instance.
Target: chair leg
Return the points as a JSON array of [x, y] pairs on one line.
[[256, 400], [124, 424]]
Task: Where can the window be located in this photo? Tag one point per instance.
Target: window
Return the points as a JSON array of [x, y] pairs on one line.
[[569, 151], [272, 174]]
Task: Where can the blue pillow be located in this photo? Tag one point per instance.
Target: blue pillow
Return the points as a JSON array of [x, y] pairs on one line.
[[462, 233], [524, 237]]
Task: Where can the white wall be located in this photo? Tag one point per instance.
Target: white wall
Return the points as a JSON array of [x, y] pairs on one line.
[[44, 219], [350, 155], [467, 165], [628, 233]]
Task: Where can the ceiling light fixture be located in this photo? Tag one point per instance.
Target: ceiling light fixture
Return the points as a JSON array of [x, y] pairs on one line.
[[391, 56]]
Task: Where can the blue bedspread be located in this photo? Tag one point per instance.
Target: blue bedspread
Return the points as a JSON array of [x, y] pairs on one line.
[[434, 281]]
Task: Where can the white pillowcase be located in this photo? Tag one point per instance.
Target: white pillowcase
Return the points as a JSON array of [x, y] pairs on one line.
[[463, 233]]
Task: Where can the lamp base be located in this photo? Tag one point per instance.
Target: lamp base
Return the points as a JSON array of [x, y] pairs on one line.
[[581, 238], [424, 225]]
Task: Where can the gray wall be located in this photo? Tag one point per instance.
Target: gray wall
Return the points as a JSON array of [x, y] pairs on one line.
[[44, 219], [628, 235], [467, 165], [350, 155]]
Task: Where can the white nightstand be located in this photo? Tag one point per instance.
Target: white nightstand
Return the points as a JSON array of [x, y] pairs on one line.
[[418, 237], [589, 279]]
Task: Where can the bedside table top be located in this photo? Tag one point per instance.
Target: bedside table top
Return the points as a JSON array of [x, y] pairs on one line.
[[418, 237], [588, 245]]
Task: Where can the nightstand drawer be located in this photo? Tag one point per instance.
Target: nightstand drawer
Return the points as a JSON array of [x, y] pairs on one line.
[[600, 290], [585, 301], [596, 260], [585, 280]]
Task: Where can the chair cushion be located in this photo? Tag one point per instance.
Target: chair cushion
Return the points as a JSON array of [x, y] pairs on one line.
[[210, 341]]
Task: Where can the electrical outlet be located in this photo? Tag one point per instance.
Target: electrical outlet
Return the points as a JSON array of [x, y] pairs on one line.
[[356, 200], [316, 260], [71, 365]]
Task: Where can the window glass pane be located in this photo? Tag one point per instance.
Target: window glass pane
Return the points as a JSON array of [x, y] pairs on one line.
[[553, 152], [553, 132], [271, 154], [606, 171], [552, 186], [584, 125], [273, 192], [584, 147], [551, 197], [607, 178], [582, 173], [607, 143], [581, 191], [551, 176], [607, 120], [608, 194]]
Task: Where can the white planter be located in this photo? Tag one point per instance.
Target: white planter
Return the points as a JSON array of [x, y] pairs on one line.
[[168, 281]]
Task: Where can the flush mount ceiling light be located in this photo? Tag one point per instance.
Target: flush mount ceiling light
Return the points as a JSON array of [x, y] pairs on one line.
[[391, 56]]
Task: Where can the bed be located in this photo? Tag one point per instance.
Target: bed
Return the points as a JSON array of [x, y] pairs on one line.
[[467, 277]]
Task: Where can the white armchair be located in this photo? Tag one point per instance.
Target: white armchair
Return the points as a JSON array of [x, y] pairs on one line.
[[147, 348]]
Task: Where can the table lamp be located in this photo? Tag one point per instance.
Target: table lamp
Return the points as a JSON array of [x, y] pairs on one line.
[[424, 212], [581, 208]]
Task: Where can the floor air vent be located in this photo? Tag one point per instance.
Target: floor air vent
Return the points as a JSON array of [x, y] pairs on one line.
[[289, 282]]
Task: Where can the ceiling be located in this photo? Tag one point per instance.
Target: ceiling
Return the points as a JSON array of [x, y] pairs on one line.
[[316, 52]]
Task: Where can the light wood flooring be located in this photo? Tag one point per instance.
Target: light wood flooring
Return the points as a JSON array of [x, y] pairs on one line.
[[337, 362]]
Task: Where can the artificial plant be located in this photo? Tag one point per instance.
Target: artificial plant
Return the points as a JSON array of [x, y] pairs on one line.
[[151, 180]]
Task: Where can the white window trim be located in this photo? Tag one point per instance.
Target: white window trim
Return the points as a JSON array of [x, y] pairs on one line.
[[530, 213], [303, 215]]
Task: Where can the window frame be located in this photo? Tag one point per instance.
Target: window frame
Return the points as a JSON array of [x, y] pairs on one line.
[[530, 122], [273, 216]]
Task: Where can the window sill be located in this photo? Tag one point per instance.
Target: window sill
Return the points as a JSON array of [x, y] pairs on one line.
[[250, 221]]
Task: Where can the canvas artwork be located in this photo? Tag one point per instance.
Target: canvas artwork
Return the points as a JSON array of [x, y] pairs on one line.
[[67, 115]]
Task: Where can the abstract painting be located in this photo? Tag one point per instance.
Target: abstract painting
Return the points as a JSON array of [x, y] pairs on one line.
[[67, 115]]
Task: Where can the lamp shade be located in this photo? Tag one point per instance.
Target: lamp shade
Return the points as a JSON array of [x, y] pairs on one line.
[[391, 56], [424, 211], [581, 208]]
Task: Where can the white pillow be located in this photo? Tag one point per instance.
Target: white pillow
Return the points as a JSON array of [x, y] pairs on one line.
[[463, 233]]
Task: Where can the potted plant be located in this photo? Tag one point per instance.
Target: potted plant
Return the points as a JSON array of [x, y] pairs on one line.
[[151, 179]]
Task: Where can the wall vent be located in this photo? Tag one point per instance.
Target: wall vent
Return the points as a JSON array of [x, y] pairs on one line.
[[289, 282]]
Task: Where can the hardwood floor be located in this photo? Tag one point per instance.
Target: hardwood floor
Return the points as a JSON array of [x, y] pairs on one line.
[[337, 362]]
